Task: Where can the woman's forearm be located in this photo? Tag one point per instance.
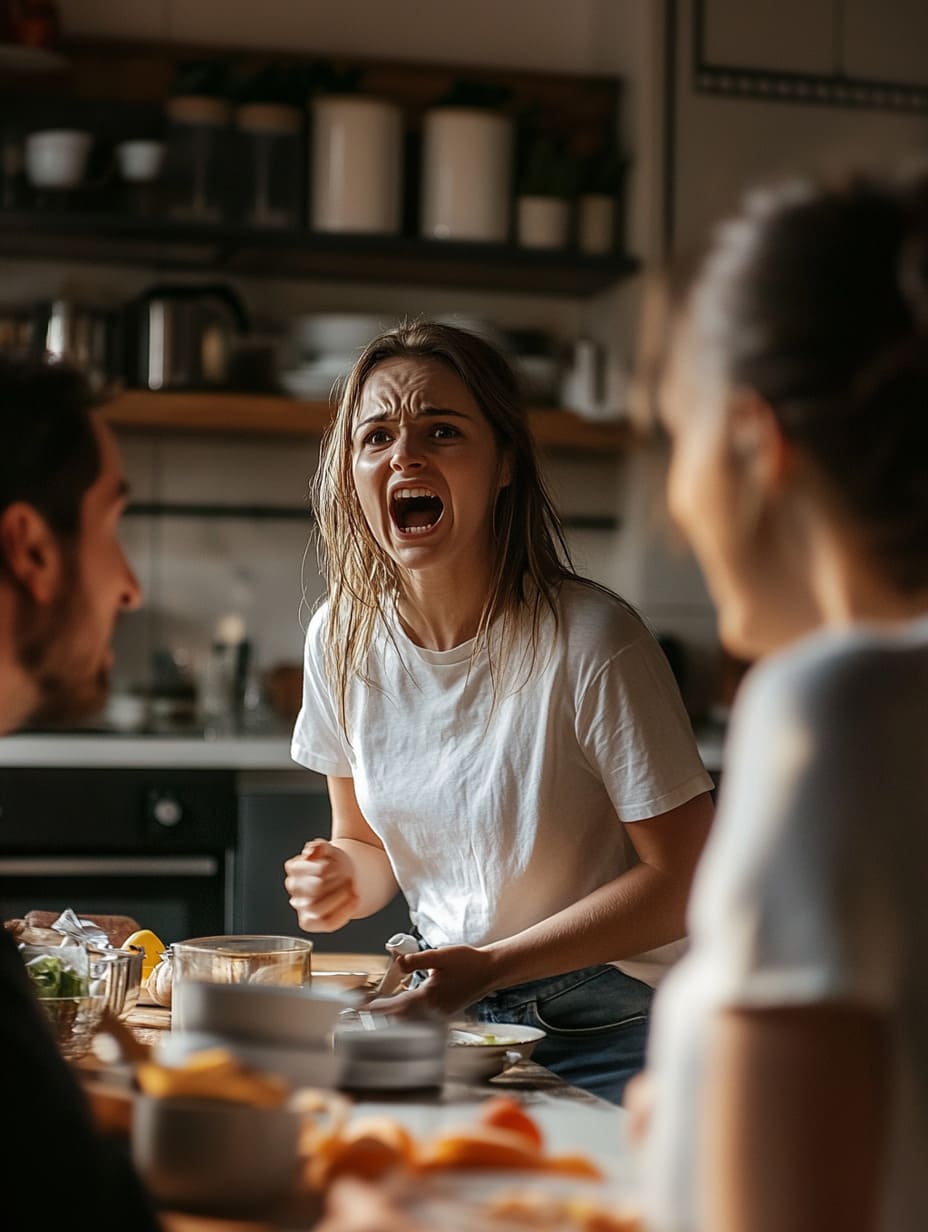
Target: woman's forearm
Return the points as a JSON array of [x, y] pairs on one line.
[[643, 908], [373, 875]]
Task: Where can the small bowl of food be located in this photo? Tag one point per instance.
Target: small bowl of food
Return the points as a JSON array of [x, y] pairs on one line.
[[478, 1051]]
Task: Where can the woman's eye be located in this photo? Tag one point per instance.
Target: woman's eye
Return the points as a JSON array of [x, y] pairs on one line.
[[379, 436], [444, 432]]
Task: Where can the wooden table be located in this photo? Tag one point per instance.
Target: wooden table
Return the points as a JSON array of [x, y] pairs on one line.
[[572, 1120]]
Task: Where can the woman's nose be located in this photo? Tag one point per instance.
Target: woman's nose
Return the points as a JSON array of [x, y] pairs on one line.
[[406, 454]]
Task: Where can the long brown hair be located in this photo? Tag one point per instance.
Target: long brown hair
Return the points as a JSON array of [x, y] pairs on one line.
[[531, 557]]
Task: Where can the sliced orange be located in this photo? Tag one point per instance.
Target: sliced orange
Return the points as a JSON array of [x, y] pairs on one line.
[[481, 1146], [507, 1113], [574, 1165], [369, 1148], [150, 944]]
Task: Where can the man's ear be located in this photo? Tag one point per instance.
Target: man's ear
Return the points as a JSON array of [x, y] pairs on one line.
[[30, 551]]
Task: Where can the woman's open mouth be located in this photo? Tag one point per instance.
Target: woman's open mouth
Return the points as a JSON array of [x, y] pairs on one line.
[[415, 510]]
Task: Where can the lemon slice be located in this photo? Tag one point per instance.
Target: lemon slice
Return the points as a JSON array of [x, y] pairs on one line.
[[152, 946]]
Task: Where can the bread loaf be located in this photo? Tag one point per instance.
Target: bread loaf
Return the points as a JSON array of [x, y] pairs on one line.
[[28, 934], [116, 927]]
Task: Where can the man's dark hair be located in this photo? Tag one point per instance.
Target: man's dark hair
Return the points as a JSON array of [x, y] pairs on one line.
[[48, 450]]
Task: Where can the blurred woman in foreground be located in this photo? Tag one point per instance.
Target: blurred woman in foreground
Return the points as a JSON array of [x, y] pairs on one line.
[[789, 1050]]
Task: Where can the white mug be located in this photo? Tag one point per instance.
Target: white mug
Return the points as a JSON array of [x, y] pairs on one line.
[[140, 161], [57, 158]]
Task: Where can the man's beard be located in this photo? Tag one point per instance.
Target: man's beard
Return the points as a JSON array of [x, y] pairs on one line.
[[47, 649]]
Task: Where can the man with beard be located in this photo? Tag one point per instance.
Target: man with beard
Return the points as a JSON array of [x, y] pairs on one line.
[[63, 582]]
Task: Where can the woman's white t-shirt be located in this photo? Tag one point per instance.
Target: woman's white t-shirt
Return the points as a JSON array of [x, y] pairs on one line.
[[813, 887], [496, 816]]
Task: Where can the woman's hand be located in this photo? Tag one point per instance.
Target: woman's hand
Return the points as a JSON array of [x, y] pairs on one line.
[[459, 975], [321, 885]]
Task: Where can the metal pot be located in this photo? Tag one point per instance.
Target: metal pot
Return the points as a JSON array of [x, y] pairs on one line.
[[81, 334], [181, 337]]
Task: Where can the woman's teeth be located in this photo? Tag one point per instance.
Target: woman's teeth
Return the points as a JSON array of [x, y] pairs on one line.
[[415, 510]]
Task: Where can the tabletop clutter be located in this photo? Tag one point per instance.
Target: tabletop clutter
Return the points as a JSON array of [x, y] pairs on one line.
[[247, 1107]]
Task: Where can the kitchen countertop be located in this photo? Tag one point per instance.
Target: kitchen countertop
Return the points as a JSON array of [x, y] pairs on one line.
[[101, 751]]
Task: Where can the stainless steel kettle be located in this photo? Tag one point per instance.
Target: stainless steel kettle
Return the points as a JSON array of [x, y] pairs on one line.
[[181, 336]]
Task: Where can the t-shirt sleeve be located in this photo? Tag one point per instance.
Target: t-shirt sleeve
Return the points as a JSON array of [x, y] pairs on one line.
[[790, 904], [635, 732], [318, 741]]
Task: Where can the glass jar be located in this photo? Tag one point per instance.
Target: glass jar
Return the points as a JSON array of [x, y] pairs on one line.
[[198, 162], [269, 138]]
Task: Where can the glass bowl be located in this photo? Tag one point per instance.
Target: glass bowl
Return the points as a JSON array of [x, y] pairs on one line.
[[244, 959], [74, 1022]]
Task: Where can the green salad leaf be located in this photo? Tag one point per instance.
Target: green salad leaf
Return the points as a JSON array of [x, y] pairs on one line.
[[52, 977]]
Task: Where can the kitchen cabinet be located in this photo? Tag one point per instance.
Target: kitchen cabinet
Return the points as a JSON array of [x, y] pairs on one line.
[[277, 814]]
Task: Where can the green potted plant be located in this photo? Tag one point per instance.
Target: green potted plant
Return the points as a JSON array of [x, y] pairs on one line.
[[546, 185]]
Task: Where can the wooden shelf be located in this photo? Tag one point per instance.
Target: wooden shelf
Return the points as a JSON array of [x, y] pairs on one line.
[[267, 415], [120, 239]]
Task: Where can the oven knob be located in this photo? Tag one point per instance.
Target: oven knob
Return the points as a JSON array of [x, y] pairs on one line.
[[166, 811]]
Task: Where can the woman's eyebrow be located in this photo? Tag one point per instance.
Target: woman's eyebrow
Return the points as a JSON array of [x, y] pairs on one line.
[[430, 412]]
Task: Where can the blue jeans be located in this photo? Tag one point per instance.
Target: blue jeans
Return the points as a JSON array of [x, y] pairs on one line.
[[595, 1022]]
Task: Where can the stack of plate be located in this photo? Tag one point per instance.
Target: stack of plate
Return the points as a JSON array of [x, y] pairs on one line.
[[280, 1030], [324, 347], [377, 1052]]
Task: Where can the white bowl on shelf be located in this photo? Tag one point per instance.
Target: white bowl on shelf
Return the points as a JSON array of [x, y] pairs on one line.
[[140, 160], [57, 158], [335, 336]]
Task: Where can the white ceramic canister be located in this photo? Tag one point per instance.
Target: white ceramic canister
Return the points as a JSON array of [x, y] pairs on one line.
[[357, 165], [542, 222], [466, 174]]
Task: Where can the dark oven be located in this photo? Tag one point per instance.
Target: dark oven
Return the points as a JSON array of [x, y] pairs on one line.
[[155, 845]]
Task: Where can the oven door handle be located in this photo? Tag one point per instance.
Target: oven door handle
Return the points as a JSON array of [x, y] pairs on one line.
[[109, 866]]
